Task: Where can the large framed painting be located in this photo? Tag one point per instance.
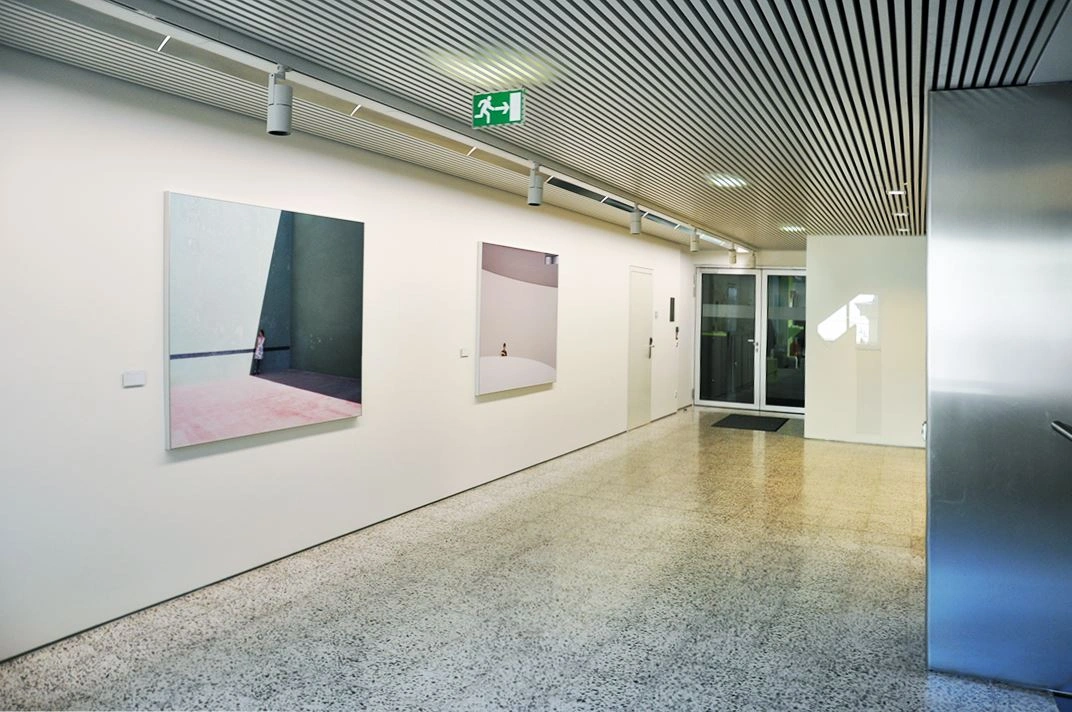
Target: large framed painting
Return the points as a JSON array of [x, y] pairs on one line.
[[264, 315], [518, 325]]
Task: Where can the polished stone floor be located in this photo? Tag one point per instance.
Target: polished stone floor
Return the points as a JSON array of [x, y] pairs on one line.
[[676, 567]]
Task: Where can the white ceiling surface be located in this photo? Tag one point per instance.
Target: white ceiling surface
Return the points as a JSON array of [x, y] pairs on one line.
[[820, 106]]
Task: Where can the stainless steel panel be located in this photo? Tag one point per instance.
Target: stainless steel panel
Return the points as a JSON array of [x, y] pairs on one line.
[[999, 535]]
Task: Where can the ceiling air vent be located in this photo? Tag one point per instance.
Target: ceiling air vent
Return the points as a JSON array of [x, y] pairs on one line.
[[615, 203], [566, 185], [661, 220]]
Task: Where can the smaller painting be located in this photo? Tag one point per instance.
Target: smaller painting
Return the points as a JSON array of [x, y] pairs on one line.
[[518, 322]]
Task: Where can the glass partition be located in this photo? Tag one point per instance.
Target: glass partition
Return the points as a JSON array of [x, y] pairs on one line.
[[727, 363], [751, 348], [785, 343]]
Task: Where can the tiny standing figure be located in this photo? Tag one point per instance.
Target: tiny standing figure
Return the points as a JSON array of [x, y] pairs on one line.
[[503, 352], [258, 352]]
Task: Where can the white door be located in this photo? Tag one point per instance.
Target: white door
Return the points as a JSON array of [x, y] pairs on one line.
[[640, 347]]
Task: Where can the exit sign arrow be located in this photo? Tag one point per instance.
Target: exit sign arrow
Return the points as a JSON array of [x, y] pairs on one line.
[[500, 107]]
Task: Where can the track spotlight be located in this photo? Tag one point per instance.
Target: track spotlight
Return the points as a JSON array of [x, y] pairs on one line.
[[634, 221], [280, 99], [535, 186]]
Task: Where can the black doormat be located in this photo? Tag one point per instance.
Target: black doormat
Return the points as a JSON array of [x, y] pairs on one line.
[[751, 422]]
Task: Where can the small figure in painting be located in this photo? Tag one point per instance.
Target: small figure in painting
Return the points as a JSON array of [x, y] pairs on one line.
[[258, 352], [503, 352]]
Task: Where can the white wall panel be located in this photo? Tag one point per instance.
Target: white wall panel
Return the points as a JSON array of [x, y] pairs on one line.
[[860, 393], [685, 325]]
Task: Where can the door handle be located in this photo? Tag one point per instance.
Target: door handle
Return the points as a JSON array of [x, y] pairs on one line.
[[1062, 429], [651, 345]]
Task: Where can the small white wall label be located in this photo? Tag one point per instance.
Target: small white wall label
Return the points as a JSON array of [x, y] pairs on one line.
[[133, 379]]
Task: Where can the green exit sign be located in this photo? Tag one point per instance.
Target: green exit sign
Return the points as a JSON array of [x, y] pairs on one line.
[[500, 107]]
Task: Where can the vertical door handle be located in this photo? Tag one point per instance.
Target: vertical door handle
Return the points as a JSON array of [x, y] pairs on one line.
[[1062, 429], [651, 345]]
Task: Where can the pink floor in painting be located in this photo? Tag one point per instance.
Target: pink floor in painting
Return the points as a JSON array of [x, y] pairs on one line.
[[229, 409]]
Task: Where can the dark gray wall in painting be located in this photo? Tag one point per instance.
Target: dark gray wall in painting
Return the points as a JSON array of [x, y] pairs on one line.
[[327, 274], [277, 307]]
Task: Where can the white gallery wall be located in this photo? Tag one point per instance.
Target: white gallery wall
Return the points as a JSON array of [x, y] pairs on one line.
[[866, 392], [96, 518], [681, 332]]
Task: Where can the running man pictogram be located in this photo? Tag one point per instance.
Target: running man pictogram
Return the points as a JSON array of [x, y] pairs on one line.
[[486, 112]]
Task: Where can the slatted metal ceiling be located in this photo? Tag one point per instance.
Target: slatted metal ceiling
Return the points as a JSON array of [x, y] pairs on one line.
[[819, 106]]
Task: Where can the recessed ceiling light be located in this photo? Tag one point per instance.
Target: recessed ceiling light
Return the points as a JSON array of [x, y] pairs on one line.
[[792, 228], [895, 192], [902, 229], [494, 67], [714, 240], [726, 180]]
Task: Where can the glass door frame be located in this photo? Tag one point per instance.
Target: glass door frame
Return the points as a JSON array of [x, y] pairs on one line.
[[759, 402], [773, 272], [756, 362]]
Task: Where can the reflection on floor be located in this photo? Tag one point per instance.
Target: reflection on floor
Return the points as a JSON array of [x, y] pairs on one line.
[[676, 567], [322, 383], [246, 405]]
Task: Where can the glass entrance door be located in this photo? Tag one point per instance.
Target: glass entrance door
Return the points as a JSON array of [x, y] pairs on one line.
[[784, 300], [751, 341], [727, 363]]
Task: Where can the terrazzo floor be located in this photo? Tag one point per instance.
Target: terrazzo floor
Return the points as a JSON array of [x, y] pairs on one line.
[[676, 567]]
